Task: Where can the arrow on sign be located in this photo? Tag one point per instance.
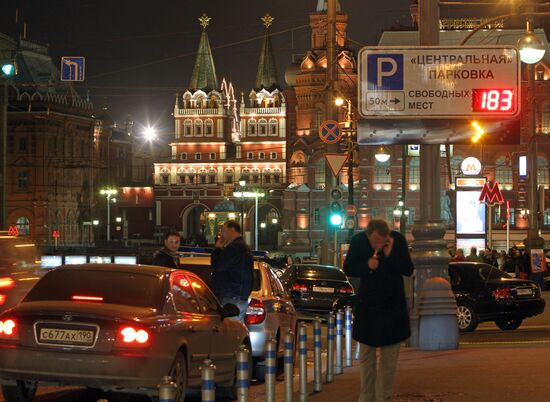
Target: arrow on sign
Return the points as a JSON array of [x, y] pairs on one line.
[[336, 162], [396, 101]]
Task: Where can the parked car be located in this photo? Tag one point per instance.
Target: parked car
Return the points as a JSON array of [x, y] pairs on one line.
[[270, 312], [485, 293], [117, 328], [19, 269], [314, 288]]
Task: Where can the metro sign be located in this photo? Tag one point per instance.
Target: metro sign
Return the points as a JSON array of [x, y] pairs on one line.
[[491, 195], [13, 231]]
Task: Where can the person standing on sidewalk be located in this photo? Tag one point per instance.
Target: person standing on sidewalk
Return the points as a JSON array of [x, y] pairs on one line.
[[168, 255], [379, 257], [232, 268]]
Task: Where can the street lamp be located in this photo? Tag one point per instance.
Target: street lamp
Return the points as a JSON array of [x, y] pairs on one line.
[[382, 155], [150, 133], [255, 195], [109, 193], [531, 51]]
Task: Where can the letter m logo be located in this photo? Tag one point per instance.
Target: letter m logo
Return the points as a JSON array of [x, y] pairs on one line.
[[491, 195], [385, 72]]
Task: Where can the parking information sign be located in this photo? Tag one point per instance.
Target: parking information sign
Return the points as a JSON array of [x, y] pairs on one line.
[[439, 82]]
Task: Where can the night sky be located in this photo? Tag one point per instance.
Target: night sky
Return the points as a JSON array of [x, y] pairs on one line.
[[140, 53]]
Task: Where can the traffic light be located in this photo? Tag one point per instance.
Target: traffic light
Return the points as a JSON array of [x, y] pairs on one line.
[[336, 211]]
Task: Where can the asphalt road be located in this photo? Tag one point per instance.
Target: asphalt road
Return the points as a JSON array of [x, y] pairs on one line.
[[487, 335]]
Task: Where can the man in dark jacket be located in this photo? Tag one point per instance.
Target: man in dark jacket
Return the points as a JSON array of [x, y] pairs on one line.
[[168, 255], [380, 258], [232, 268]]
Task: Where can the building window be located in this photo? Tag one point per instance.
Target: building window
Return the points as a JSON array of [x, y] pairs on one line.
[[23, 181], [273, 127], [503, 173], [229, 176], [256, 176], [320, 174], [414, 174], [252, 128], [316, 216], [455, 167], [262, 127], [273, 155], [212, 156], [261, 155], [276, 175], [198, 128], [212, 176], [183, 156], [198, 156], [542, 171], [250, 155], [512, 217], [23, 226], [23, 144], [382, 176], [245, 175], [209, 128], [188, 128]]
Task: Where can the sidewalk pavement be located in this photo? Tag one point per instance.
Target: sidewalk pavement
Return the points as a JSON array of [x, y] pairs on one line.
[[467, 374]]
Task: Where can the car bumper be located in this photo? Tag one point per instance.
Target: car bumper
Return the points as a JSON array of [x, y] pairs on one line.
[[314, 305], [259, 334], [516, 309], [106, 371]]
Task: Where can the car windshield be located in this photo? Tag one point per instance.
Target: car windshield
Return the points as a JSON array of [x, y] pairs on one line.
[[205, 273], [487, 273], [319, 272], [125, 288]]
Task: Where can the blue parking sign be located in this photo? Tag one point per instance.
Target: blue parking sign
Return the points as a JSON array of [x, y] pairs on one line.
[[72, 68], [385, 72]]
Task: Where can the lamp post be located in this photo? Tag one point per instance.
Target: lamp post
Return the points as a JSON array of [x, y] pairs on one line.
[[109, 193], [531, 51], [255, 195], [8, 70]]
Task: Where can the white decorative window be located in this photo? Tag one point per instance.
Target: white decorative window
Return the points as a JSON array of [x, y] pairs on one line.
[[414, 174], [209, 128], [229, 173], [273, 127], [256, 176], [212, 176], [188, 128], [183, 156], [245, 175], [277, 175], [261, 156], [212, 156], [382, 176], [262, 126], [250, 155], [198, 156], [252, 128], [198, 128], [273, 155]]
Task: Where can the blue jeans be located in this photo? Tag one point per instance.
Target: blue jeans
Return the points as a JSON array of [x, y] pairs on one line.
[[241, 304]]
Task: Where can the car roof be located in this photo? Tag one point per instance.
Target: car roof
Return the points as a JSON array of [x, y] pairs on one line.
[[129, 268]]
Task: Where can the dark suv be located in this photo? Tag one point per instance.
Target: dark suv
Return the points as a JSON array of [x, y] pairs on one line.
[[485, 293]]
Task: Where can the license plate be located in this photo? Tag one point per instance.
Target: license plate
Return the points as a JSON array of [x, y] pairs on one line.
[[525, 292], [64, 336], [323, 290]]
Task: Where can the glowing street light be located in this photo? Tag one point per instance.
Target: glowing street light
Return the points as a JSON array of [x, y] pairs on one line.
[[109, 193], [150, 134]]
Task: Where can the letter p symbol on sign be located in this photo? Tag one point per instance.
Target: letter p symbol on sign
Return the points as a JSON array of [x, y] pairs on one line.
[[385, 72]]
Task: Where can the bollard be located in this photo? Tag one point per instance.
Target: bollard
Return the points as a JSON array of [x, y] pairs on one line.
[[317, 382], [243, 373], [289, 365], [357, 350], [339, 332], [270, 369], [330, 349], [167, 389], [208, 390], [348, 336], [302, 351]]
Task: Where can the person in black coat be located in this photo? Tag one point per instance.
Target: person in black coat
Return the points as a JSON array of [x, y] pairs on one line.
[[168, 255], [232, 268], [380, 258]]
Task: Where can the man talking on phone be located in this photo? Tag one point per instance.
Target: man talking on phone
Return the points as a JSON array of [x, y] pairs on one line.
[[232, 268], [379, 257]]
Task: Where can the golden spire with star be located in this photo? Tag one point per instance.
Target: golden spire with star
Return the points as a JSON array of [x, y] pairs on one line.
[[204, 20], [267, 20]]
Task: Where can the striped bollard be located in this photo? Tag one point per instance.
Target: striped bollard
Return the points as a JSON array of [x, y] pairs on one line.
[[339, 332], [302, 351], [208, 390], [348, 336], [243, 373], [270, 369], [357, 350], [167, 389], [289, 365], [317, 382], [330, 349]]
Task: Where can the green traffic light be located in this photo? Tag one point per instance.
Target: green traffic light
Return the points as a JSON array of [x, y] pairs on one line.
[[8, 69], [336, 220]]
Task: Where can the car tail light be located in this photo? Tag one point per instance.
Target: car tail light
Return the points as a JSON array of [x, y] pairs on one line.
[[87, 298], [300, 286], [2, 299], [132, 336], [6, 283], [502, 293], [255, 314], [346, 290], [9, 330]]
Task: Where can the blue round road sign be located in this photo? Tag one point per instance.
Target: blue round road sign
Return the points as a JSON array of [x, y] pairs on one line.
[[330, 132]]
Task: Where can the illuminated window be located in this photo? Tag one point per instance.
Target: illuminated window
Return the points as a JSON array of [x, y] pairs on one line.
[[208, 128], [542, 171], [273, 127], [503, 173], [262, 127], [188, 128], [320, 174], [414, 174], [23, 225], [198, 128], [382, 175], [252, 128]]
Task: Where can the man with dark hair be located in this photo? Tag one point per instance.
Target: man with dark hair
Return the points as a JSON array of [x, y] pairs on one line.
[[168, 255], [232, 268], [380, 258]]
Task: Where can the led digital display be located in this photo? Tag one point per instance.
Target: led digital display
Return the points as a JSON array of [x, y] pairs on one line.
[[494, 100]]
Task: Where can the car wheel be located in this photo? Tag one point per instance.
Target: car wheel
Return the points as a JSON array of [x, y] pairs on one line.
[[230, 392], [466, 317], [508, 324], [178, 372], [22, 391]]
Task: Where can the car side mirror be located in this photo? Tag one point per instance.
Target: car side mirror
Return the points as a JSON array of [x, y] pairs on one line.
[[230, 310]]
